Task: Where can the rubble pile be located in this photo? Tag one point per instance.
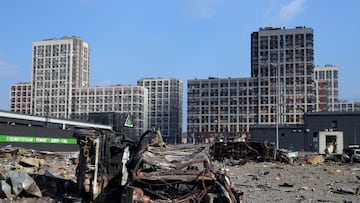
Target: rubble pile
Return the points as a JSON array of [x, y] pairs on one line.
[[39, 175], [114, 168]]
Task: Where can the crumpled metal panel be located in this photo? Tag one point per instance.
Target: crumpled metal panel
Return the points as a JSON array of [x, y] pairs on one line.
[[21, 181]]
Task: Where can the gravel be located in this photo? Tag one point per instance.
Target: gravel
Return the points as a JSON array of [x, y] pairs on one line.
[[300, 182]]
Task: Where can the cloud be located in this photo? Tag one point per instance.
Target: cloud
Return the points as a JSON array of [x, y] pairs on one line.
[[202, 8], [7, 69], [290, 10]]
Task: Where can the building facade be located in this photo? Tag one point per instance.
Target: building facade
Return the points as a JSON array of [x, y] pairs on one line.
[[58, 66], [20, 98], [165, 106], [220, 107], [282, 61], [132, 100], [327, 88]]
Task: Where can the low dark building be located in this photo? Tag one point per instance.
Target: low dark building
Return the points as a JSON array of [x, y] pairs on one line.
[[306, 136], [40, 133], [289, 136], [37, 138], [347, 122]]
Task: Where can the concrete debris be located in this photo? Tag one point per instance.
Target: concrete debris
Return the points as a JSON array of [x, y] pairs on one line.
[[286, 185], [258, 174], [232, 162], [347, 190], [31, 162], [5, 189]]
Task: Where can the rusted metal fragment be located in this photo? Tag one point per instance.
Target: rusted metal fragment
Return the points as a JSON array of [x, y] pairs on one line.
[[287, 156]]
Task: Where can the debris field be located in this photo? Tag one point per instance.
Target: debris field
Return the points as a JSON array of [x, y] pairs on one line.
[[259, 181]]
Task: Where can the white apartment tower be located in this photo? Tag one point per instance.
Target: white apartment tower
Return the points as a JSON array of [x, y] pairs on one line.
[[165, 106], [58, 66], [282, 61]]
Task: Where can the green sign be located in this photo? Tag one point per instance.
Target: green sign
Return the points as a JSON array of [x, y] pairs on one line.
[[40, 140], [128, 122]]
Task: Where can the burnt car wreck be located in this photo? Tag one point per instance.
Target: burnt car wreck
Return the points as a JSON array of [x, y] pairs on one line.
[[243, 150], [118, 168]]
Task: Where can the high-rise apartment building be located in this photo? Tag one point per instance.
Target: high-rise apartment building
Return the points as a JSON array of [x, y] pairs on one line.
[[327, 88], [20, 98], [221, 107], [165, 106], [282, 61], [58, 66]]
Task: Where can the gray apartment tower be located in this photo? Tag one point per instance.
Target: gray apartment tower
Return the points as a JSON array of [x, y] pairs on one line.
[[165, 106], [58, 66]]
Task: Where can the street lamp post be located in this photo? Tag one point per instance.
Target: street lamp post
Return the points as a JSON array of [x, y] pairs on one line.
[[277, 102]]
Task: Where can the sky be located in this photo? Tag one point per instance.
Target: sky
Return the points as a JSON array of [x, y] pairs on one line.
[[183, 39]]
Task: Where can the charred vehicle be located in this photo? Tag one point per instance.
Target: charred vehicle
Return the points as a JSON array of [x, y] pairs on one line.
[[351, 154], [117, 168]]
